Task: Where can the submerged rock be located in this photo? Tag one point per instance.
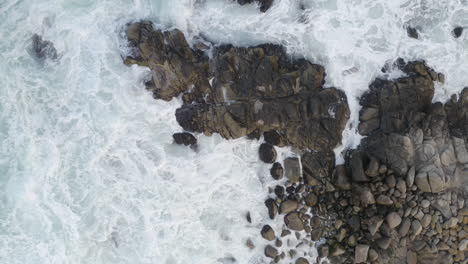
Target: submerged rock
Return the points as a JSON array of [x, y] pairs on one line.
[[457, 32], [264, 4], [43, 49]]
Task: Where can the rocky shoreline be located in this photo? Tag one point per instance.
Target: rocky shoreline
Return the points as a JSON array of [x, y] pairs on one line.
[[399, 198]]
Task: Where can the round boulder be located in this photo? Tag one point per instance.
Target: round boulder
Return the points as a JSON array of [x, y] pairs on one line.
[[267, 153], [276, 171]]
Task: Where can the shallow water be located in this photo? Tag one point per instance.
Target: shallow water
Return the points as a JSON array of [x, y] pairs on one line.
[[88, 171]]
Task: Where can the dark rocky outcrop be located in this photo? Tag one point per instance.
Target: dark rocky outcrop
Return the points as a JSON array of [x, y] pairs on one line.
[[400, 196], [241, 90], [43, 49]]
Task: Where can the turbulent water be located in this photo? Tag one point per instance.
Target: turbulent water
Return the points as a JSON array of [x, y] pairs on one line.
[[88, 171]]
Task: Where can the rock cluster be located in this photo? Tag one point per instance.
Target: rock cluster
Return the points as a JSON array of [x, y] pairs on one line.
[[393, 201], [400, 197]]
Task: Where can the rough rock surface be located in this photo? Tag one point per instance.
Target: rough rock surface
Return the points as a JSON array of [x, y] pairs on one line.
[[399, 197], [240, 91]]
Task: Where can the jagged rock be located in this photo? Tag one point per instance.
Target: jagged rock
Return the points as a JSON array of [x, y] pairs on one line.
[[375, 225], [294, 222], [373, 168], [268, 233], [276, 171], [340, 178], [271, 251], [361, 253], [364, 196], [267, 153], [337, 250], [184, 138], [316, 166], [292, 169], [357, 170], [288, 206], [393, 220], [43, 49], [272, 208], [412, 32]]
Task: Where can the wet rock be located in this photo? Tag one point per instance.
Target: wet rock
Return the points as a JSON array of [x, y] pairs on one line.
[[457, 32], [316, 234], [416, 227], [268, 233], [288, 206], [412, 32], [272, 208], [383, 242], [294, 222], [184, 138], [360, 253], [337, 250], [311, 199], [250, 244], [364, 196], [43, 49], [384, 200], [267, 153], [323, 251], [393, 220], [355, 223], [274, 138], [410, 177], [405, 227], [276, 171], [373, 255], [292, 169], [271, 251], [317, 166], [375, 225], [373, 168], [357, 169], [302, 260], [340, 178], [411, 258]]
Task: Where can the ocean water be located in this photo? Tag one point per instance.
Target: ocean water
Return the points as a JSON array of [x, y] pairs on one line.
[[88, 171]]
